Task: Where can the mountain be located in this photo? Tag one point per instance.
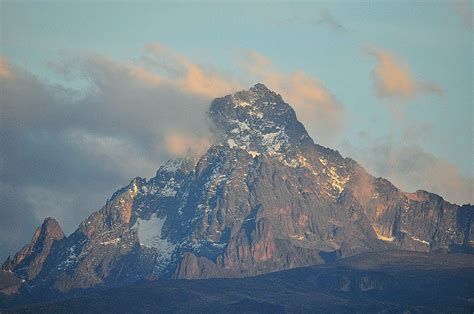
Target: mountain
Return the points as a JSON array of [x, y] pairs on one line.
[[28, 262], [263, 198], [382, 282]]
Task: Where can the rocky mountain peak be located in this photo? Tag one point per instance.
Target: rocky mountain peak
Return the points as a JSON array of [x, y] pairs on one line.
[[255, 92], [257, 120], [28, 262], [182, 164], [51, 228]]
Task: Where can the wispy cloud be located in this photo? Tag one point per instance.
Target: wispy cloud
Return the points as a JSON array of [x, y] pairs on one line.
[[323, 18], [393, 77], [410, 168], [179, 144], [314, 104], [326, 18], [189, 76], [5, 71], [464, 9]]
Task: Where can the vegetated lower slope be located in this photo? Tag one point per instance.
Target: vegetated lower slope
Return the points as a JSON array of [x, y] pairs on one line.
[[391, 281]]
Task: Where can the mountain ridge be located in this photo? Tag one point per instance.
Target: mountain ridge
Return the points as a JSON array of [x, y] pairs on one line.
[[263, 198], [371, 282]]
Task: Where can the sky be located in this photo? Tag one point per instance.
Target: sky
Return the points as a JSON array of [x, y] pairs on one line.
[[95, 93]]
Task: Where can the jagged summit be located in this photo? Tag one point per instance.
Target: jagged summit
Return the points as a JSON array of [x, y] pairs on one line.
[[259, 90], [51, 225], [177, 164], [257, 120], [28, 262]]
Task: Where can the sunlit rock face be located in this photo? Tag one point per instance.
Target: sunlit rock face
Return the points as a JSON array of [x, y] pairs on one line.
[[263, 198], [28, 262]]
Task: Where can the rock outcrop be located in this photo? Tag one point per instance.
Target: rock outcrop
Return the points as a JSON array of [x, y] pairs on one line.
[[29, 261]]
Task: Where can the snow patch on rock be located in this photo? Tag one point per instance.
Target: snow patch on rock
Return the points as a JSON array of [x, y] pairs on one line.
[[172, 165], [149, 234], [419, 240], [111, 242]]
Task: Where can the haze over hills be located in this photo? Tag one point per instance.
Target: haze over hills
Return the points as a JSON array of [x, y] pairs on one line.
[[263, 198]]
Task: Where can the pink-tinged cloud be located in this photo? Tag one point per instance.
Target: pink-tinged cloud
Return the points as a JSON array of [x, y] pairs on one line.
[[163, 67], [206, 83], [464, 9], [191, 77], [180, 144], [393, 77], [411, 168], [145, 76], [414, 168], [101, 69], [5, 69], [314, 104]]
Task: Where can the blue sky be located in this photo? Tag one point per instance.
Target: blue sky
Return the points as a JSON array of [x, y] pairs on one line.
[[419, 135]]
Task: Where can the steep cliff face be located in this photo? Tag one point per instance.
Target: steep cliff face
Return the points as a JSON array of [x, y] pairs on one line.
[[263, 198], [133, 236], [28, 262], [280, 201]]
